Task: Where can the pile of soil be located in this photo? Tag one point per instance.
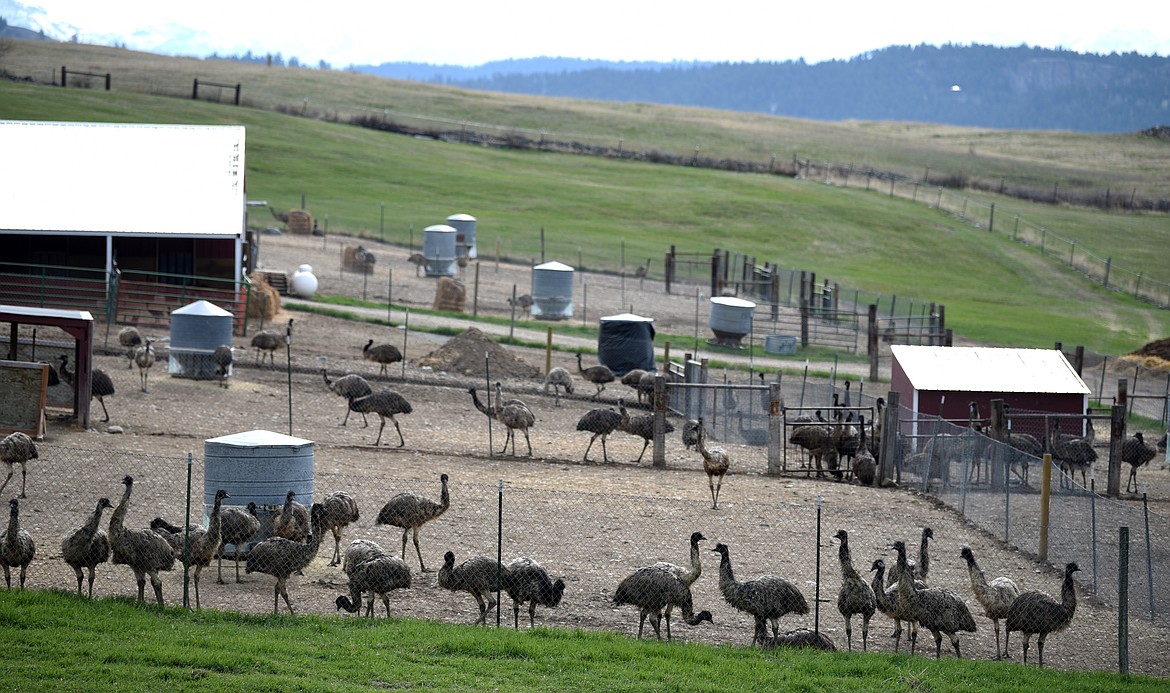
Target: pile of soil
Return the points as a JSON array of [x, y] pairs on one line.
[[1155, 354], [464, 354]]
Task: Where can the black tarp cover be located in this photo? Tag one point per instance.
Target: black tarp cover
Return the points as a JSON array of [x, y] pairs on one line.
[[626, 342]]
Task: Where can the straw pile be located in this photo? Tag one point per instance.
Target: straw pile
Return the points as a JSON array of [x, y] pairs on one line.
[[450, 295], [300, 221], [264, 301]]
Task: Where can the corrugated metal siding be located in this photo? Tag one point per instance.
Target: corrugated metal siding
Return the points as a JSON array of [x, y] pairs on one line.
[[987, 369]]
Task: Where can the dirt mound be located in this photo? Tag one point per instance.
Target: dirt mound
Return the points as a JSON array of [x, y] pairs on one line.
[[1154, 355], [464, 354]]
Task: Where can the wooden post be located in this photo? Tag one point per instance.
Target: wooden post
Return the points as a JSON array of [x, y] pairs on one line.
[[475, 293], [889, 448], [1079, 359], [548, 350], [871, 343], [1045, 495], [1116, 440], [1000, 474], [775, 430], [660, 421], [804, 323]]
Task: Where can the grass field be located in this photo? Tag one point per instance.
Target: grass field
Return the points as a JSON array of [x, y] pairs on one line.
[[604, 213], [56, 641]]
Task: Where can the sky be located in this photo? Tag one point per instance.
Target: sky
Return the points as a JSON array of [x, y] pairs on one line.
[[472, 32]]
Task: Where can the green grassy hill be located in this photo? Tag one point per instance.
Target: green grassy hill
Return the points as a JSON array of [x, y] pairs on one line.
[[593, 210]]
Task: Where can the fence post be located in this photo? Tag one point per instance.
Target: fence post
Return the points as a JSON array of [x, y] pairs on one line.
[[889, 448], [871, 342], [775, 430], [1149, 552], [804, 323], [187, 541], [1045, 495], [1093, 520], [1000, 474], [1123, 600], [659, 459], [499, 549], [195, 89], [817, 599], [1116, 440]]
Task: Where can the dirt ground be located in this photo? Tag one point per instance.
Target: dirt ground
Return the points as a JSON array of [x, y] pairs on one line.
[[588, 523]]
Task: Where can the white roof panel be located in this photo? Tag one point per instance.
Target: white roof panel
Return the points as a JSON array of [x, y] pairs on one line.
[[988, 369], [122, 178]]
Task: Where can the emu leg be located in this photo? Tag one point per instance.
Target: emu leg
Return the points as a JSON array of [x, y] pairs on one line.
[[421, 567], [401, 440]]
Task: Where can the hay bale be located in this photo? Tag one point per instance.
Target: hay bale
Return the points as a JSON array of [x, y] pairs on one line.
[[450, 295], [357, 259], [264, 301], [300, 221]]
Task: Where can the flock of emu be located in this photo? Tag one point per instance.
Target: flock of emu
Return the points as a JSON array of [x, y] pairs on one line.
[[903, 593], [656, 590]]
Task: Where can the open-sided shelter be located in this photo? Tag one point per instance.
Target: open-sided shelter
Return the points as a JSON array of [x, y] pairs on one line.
[[125, 220]]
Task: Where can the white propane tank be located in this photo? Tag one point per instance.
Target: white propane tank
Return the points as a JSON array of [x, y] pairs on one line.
[[304, 282]]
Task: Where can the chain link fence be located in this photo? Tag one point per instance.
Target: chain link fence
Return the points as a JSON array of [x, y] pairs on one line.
[[998, 488]]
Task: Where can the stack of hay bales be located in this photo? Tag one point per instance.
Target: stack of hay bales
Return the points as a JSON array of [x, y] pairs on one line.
[[450, 295], [264, 301], [300, 221]]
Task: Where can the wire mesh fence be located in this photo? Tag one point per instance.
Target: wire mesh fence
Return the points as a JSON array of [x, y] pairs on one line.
[[998, 487], [592, 542]]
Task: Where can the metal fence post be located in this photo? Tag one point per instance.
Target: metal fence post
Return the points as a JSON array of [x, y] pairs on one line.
[[1149, 557], [1123, 600], [775, 430], [659, 458], [499, 551]]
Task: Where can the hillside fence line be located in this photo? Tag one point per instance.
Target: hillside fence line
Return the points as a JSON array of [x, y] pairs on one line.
[[946, 191]]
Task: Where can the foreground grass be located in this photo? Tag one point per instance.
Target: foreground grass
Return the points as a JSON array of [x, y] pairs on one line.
[[55, 640]]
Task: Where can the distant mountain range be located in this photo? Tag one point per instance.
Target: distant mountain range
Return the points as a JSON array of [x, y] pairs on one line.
[[984, 86], [1017, 88]]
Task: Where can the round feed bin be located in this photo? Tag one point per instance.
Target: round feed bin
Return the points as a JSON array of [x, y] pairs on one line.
[[258, 467], [439, 250], [626, 342], [464, 225], [196, 330], [552, 291], [730, 320]]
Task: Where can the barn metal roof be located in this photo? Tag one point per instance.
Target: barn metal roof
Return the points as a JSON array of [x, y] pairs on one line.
[[149, 179], [988, 369]]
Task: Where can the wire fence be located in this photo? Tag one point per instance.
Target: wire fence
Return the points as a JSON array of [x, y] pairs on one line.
[[998, 488], [957, 203], [592, 542]]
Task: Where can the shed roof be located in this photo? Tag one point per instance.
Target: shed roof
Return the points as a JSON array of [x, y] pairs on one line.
[[122, 178], [988, 369]]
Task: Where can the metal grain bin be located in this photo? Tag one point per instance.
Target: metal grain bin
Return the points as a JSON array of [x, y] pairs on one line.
[[552, 291], [626, 342], [464, 225], [258, 467], [439, 250], [196, 330], [730, 320]]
